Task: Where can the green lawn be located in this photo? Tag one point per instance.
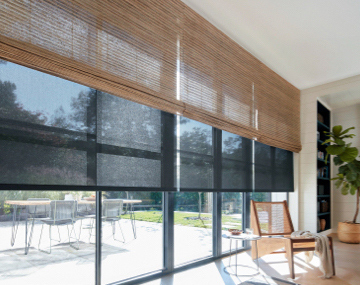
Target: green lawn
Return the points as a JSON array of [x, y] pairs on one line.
[[182, 218]]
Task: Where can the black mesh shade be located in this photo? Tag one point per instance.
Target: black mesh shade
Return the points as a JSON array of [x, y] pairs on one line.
[[273, 169], [57, 133], [236, 162]]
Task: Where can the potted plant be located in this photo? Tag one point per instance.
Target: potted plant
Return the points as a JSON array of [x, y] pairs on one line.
[[348, 177]]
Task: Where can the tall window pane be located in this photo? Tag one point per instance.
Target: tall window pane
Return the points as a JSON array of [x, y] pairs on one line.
[[193, 226], [35, 228], [231, 215], [132, 229]]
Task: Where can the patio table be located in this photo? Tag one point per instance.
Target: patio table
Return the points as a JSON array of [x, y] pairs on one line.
[[20, 204]]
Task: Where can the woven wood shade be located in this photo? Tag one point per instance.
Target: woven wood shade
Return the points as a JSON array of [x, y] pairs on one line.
[[155, 52]]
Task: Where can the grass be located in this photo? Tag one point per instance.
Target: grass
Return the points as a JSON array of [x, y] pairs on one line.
[[181, 218]]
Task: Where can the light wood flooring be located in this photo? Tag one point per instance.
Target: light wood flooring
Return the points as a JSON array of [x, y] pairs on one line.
[[347, 263]]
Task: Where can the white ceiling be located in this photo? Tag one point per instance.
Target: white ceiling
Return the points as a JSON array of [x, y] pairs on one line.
[[308, 42]]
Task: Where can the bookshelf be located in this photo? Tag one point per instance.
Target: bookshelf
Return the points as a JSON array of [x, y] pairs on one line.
[[323, 171]]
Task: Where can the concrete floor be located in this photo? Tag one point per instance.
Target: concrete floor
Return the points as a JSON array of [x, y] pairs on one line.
[[120, 260]]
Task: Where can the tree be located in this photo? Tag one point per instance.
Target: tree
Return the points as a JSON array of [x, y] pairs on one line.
[[11, 109]]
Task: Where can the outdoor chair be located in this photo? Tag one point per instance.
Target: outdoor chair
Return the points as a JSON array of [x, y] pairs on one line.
[[37, 212], [61, 213], [112, 211], [86, 211], [272, 221]]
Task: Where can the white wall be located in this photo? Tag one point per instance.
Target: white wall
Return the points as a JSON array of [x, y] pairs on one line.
[[344, 206], [308, 161]]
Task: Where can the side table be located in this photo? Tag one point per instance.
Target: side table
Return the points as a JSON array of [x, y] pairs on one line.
[[243, 237]]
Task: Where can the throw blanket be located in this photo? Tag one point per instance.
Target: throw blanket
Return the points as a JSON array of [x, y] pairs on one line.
[[322, 250]]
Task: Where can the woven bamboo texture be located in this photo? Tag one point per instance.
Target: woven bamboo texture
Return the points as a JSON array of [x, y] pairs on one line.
[[159, 53], [272, 218]]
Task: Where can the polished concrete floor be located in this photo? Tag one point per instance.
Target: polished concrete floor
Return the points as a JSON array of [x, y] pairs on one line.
[[347, 263]]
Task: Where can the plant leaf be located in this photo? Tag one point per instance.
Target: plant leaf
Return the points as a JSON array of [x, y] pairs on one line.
[[337, 130], [335, 150], [344, 169], [346, 131], [345, 189], [338, 183], [352, 190], [349, 154], [337, 160], [339, 141], [328, 141], [326, 158], [351, 176]]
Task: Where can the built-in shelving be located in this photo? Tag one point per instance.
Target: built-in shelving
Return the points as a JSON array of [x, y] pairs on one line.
[[323, 178], [322, 125], [323, 170]]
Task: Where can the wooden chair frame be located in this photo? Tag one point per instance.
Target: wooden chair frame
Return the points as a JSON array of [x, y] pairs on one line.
[[281, 242]]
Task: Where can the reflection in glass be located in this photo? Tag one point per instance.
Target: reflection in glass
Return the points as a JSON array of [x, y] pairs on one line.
[[193, 226]]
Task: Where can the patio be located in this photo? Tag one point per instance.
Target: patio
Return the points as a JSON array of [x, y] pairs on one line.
[[65, 265]]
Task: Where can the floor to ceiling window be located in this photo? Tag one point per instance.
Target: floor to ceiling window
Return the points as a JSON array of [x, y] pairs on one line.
[[63, 144], [193, 210]]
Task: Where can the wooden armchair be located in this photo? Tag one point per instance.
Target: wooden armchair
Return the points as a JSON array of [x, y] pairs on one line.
[[272, 221]]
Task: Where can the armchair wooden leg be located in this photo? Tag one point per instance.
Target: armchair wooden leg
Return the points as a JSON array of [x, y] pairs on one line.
[[332, 254], [253, 250], [290, 256]]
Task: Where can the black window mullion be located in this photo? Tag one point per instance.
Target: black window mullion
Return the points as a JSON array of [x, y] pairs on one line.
[[168, 181], [217, 195]]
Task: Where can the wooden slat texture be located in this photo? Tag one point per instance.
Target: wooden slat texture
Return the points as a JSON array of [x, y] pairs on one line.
[[159, 53]]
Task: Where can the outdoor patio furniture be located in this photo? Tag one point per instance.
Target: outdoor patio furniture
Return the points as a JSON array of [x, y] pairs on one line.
[[19, 208], [112, 211], [86, 211], [61, 213], [272, 221], [36, 212]]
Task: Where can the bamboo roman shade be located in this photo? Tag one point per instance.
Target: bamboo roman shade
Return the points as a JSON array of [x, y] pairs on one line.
[[155, 52]]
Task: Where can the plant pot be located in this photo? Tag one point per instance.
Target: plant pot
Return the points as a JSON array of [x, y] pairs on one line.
[[349, 233]]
